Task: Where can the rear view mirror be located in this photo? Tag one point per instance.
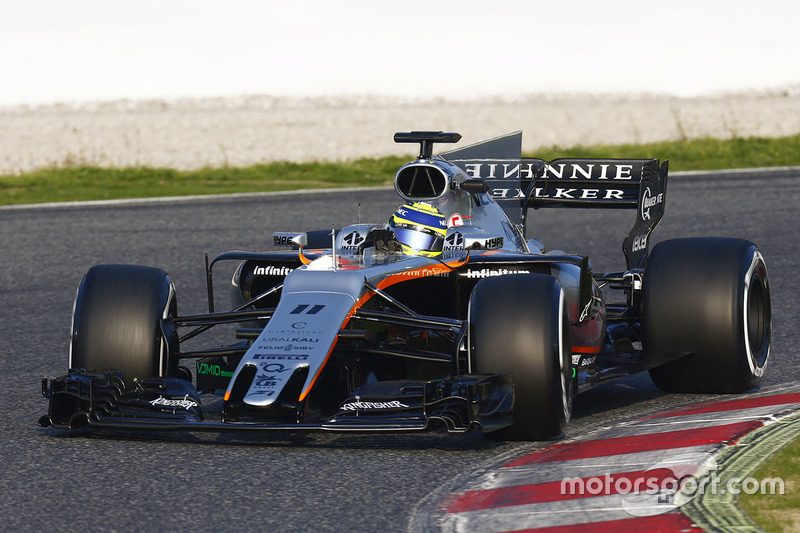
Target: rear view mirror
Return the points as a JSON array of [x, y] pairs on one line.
[[483, 242], [288, 239]]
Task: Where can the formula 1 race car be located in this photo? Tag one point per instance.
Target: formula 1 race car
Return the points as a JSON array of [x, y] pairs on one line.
[[446, 317]]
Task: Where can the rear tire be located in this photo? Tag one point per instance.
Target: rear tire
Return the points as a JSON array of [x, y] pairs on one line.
[[116, 324], [518, 325], [708, 297]]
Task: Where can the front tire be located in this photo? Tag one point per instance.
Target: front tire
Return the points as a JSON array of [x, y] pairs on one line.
[[708, 297], [116, 324], [518, 325]]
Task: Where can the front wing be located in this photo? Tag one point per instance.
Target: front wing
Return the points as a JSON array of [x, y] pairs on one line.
[[99, 400]]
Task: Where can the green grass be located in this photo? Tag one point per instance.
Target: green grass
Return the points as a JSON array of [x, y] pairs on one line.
[[61, 184], [94, 183], [778, 513], [697, 154]]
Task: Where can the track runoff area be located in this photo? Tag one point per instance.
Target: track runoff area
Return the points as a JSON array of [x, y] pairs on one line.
[[676, 470]]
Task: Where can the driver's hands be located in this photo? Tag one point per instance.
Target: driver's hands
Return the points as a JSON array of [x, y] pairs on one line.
[[383, 240]]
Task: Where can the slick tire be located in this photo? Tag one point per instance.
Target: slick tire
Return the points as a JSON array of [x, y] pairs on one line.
[[518, 325], [710, 298], [116, 324]]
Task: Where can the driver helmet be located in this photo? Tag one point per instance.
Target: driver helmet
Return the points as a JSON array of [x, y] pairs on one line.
[[420, 228]]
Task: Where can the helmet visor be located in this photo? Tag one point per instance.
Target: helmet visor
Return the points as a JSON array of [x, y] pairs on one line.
[[418, 240]]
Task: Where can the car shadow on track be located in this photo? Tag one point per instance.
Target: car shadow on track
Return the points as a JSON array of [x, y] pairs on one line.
[[633, 392], [417, 441]]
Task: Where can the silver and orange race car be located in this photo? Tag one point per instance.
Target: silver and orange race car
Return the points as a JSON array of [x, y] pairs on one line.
[[454, 319]]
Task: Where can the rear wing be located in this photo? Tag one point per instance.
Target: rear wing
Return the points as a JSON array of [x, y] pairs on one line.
[[518, 184], [639, 184]]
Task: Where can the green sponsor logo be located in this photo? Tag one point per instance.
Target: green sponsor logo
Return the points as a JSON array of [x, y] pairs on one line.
[[207, 369]]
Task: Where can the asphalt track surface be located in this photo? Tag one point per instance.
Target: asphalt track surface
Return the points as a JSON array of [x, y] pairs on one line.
[[329, 482]]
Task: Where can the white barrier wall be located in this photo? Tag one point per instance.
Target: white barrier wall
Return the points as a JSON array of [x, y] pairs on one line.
[[241, 131]]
